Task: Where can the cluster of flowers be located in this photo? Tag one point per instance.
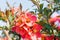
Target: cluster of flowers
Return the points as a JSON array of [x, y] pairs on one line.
[[26, 26]]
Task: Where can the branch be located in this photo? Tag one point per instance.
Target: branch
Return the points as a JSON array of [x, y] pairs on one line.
[[35, 3], [8, 5], [7, 34], [20, 6], [49, 1]]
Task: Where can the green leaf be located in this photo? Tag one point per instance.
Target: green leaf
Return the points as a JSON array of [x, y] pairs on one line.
[[41, 6], [0, 18], [1, 28], [57, 1], [58, 34], [45, 25], [10, 17], [47, 12], [40, 10]]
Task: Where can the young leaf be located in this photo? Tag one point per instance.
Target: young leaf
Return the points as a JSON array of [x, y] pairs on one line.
[[20, 6], [45, 25], [41, 6]]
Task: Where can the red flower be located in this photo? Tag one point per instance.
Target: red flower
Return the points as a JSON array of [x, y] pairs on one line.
[[31, 17], [49, 37], [36, 30], [21, 31], [27, 36], [57, 38], [38, 34], [37, 27], [55, 21], [28, 14], [26, 26], [58, 27], [18, 30], [14, 28], [52, 20]]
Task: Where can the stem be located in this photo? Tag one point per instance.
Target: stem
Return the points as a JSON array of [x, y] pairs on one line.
[[36, 3], [6, 32]]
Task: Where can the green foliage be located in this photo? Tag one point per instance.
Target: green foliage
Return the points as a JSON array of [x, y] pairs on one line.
[[10, 17], [57, 1], [58, 34], [46, 25], [1, 18], [41, 6], [40, 10], [47, 12]]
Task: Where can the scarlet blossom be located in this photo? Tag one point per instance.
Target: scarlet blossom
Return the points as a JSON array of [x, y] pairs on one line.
[[27, 18], [55, 21], [19, 30], [26, 27], [14, 28], [58, 27], [57, 38], [28, 14], [52, 20], [27, 36], [37, 27], [19, 24], [38, 34], [49, 37], [31, 17]]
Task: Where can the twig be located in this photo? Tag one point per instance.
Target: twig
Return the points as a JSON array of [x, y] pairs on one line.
[[36, 3]]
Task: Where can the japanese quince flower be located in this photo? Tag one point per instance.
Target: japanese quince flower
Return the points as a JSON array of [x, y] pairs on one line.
[[27, 18], [26, 26], [55, 21], [49, 37], [19, 30], [30, 19], [37, 27], [36, 30]]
